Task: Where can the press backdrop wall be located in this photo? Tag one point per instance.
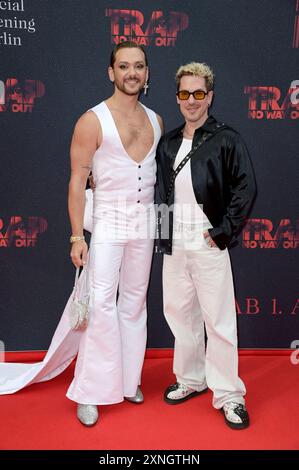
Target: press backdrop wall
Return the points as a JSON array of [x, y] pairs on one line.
[[53, 67]]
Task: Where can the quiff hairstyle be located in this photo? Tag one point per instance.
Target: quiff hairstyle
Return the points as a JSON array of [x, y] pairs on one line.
[[196, 69]]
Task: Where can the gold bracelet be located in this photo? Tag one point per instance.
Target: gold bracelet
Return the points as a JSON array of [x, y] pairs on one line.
[[75, 238]]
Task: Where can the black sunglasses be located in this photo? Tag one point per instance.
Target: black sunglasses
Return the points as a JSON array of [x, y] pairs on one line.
[[197, 94]]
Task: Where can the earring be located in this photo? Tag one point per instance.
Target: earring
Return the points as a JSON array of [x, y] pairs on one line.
[[145, 88]]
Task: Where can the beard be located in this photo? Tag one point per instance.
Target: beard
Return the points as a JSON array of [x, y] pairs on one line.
[[127, 88]]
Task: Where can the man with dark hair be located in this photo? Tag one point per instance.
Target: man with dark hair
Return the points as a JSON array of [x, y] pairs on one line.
[[117, 139], [205, 175]]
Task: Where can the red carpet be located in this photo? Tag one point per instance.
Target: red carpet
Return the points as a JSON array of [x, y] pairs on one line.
[[41, 417]]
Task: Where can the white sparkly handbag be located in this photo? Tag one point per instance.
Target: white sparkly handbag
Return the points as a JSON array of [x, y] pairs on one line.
[[79, 313]]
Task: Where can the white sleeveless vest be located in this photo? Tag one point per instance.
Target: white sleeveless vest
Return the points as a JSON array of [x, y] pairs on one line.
[[117, 176]]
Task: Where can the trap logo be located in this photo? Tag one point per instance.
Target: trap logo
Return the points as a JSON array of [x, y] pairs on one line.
[[21, 232], [266, 102], [161, 29], [260, 233], [18, 96]]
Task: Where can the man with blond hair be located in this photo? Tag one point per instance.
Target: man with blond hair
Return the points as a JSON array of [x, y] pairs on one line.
[[207, 185]]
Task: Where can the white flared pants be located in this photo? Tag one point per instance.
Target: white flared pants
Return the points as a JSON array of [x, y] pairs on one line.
[[112, 349]]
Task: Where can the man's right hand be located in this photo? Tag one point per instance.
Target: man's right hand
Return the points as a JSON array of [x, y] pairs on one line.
[[79, 253]]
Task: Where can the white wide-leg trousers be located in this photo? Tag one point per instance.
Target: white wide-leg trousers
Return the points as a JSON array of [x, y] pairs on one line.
[[198, 290]]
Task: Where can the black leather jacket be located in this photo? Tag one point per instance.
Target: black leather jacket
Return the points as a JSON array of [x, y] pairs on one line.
[[222, 177]]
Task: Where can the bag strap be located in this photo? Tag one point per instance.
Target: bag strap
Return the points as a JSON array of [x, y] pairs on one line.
[[84, 271], [206, 136], [76, 283]]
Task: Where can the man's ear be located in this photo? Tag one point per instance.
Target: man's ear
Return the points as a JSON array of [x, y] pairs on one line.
[[111, 74]]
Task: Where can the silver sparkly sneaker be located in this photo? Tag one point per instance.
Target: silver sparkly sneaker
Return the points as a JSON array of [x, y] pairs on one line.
[[87, 414], [138, 398]]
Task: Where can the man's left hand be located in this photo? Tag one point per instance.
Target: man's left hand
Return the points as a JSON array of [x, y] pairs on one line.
[[209, 240]]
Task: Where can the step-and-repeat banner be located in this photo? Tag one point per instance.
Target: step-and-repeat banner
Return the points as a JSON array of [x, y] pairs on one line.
[[54, 56]]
